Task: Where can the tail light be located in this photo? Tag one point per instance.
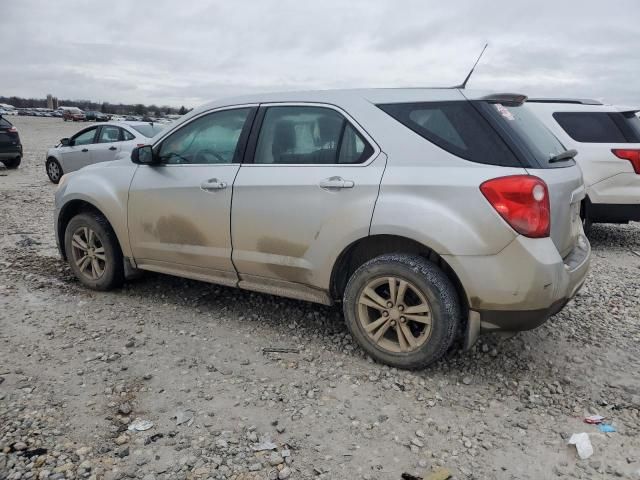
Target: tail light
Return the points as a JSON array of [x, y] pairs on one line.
[[523, 201], [629, 154], [13, 130]]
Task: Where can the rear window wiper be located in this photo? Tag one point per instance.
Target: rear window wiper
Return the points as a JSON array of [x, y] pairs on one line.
[[566, 155]]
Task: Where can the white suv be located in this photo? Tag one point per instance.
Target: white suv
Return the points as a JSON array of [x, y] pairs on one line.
[[607, 139]]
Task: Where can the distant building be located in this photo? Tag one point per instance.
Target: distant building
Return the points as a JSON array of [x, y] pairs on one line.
[[49, 102], [55, 103]]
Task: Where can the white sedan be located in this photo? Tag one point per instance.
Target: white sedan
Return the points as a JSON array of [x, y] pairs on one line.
[[100, 142]]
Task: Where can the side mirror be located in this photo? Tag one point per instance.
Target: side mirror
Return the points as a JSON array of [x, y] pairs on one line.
[[65, 142], [144, 156]]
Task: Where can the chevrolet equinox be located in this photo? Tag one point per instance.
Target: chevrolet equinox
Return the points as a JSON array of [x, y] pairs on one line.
[[431, 214]]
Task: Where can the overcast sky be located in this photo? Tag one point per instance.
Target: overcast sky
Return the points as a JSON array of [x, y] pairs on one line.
[[187, 52]]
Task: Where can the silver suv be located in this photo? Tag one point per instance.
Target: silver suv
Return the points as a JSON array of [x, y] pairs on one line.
[[431, 214]]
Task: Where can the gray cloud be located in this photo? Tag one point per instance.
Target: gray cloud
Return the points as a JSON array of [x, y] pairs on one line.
[[169, 52]]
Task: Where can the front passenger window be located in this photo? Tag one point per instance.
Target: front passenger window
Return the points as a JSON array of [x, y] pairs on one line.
[[210, 139]]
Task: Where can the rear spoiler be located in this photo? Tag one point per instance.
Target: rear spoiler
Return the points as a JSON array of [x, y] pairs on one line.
[[509, 99]]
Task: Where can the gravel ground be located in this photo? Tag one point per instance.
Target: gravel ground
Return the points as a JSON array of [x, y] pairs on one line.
[[77, 367]]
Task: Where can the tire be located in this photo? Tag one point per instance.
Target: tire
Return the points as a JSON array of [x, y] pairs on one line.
[[13, 163], [111, 263], [585, 217], [54, 170], [424, 282]]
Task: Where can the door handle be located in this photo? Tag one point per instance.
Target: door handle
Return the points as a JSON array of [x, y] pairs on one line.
[[113, 148], [213, 184], [335, 183], [85, 150]]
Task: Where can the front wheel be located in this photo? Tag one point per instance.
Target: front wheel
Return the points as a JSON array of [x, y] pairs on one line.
[[54, 170], [93, 252], [402, 310]]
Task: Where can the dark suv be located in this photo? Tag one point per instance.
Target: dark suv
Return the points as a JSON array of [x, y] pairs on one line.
[[10, 146]]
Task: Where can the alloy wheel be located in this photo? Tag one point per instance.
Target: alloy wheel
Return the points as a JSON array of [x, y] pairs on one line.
[[53, 169], [88, 253], [395, 314]]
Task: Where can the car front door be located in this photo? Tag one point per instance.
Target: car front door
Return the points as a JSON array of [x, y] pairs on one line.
[[306, 190], [80, 151], [179, 210], [110, 140]]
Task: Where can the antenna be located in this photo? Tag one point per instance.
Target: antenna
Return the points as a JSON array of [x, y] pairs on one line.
[[463, 85]]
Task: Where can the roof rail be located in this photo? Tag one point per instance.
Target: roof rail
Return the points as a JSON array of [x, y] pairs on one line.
[[578, 101]]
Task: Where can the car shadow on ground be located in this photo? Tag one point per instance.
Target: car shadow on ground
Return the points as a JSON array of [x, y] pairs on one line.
[[611, 236]]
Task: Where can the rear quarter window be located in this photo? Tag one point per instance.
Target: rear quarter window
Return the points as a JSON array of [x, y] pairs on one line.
[[456, 127], [5, 123], [600, 127]]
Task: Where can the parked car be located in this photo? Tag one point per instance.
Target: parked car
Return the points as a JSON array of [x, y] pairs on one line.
[[95, 144], [73, 114], [608, 139], [10, 145], [429, 213], [96, 116]]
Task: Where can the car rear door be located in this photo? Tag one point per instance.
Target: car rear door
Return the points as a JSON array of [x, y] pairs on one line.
[[108, 145], [179, 211], [306, 190]]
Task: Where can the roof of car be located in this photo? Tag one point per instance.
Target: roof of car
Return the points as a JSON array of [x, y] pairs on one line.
[[125, 123], [371, 95]]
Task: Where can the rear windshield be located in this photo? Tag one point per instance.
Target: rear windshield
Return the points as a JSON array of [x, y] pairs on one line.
[[600, 127], [527, 133], [456, 127], [150, 130]]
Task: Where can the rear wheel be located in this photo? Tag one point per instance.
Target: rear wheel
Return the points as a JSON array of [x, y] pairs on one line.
[[13, 163], [54, 170], [93, 252], [402, 309]]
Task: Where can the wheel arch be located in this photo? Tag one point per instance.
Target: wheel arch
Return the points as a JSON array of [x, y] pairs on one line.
[[366, 248], [70, 210]]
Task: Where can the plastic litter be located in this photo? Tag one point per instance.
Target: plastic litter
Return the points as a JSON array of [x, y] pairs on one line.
[[139, 425], [594, 419], [606, 428], [265, 444], [184, 416], [439, 474], [583, 444]]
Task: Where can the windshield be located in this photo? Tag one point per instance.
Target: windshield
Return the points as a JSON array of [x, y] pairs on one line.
[[519, 123], [150, 130]]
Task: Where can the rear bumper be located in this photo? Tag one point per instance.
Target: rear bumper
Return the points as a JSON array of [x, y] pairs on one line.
[[10, 153], [522, 286], [620, 189], [614, 212]]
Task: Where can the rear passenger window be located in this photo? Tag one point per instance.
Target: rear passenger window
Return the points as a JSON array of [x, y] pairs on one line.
[[309, 135], [456, 127], [595, 127], [109, 134]]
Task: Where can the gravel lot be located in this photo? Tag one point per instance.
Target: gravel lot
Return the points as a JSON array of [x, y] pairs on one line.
[[77, 367]]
